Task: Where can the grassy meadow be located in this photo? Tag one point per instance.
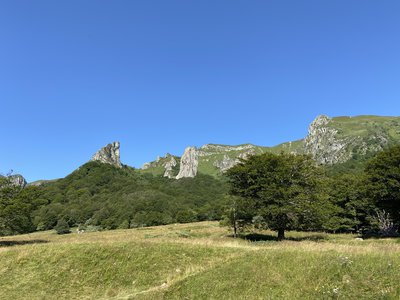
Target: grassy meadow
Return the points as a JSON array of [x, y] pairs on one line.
[[197, 261]]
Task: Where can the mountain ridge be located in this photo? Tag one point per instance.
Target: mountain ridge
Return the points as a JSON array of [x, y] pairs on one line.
[[331, 141]]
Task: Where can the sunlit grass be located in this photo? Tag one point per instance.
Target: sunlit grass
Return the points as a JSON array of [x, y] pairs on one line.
[[197, 261]]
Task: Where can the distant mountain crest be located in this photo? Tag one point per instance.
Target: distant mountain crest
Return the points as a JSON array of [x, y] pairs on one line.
[[330, 141]]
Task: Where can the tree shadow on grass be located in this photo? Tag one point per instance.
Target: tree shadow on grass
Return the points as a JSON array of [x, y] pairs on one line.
[[258, 237], [19, 243], [378, 236]]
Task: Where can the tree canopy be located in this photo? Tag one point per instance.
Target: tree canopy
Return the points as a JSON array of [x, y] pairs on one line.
[[16, 207], [383, 179], [282, 189]]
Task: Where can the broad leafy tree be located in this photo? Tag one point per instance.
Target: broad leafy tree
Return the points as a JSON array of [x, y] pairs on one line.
[[239, 213], [16, 207], [283, 190]]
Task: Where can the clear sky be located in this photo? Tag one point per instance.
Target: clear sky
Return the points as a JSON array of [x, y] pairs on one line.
[[162, 75]]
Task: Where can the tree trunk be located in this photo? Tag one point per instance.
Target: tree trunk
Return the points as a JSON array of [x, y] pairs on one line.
[[234, 221], [281, 234]]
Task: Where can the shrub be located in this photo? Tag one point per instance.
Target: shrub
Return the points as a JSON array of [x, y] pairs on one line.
[[62, 227]]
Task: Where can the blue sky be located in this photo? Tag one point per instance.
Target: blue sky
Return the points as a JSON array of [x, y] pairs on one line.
[[161, 75]]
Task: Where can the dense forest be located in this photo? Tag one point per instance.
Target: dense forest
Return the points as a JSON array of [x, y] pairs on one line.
[[103, 196]]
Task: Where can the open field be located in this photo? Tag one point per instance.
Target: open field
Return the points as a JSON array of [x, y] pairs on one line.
[[197, 261]]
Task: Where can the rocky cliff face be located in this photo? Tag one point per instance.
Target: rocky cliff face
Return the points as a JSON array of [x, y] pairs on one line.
[[332, 141], [189, 163], [323, 144], [18, 180], [169, 166], [15, 180], [109, 155]]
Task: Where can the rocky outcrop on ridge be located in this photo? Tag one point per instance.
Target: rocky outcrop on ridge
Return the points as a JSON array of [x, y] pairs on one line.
[[189, 163], [15, 180], [169, 166], [209, 149], [328, 144], [109, 155], [228, 162], [329, 141], [18, 180], [322, 142]]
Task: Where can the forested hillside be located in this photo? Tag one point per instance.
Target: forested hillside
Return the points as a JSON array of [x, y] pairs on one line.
[[99, 194]]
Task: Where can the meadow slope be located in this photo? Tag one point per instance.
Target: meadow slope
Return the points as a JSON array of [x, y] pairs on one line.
[[197, 261]]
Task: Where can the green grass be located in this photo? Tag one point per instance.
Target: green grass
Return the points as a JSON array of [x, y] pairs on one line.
[[197, 261], [295, 147], [365, 125]]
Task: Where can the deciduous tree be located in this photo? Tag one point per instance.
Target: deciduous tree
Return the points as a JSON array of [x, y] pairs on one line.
[[282, 189]]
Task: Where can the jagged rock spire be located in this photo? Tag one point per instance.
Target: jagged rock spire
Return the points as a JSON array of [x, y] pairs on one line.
[[189, 163], [169, 165], [109, 155]]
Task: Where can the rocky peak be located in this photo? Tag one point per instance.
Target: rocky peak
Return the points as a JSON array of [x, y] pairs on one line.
[[15, 180], [323, 144], [320, 120], [189, 163], [18, 180], [169, 165], [109, 155], [329, 143]]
